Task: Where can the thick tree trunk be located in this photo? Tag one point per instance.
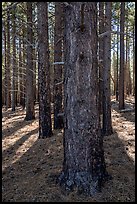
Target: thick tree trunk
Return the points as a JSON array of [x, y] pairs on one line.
[[58, 122], [121, 74], [107, 122], [30, 112], [45, 124], [84, 164]]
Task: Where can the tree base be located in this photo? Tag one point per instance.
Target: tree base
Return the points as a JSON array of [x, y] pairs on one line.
[[106, 132], [27, 118], [83, 181], [45, 135]]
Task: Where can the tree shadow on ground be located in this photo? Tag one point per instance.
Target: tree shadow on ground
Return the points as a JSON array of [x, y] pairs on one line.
[[129, 116], [15, 127], [122, 168], [11, 150], [32, 176]]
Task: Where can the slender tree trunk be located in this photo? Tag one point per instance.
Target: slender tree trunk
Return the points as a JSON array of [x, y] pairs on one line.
[[8, 64], [126, 65], [13, 94], [30, 112], [133, 91], [121, 74], [129, 73], [20, 71], [107, 122], [5, 67], [84, 164], [34, 52], [101, 48], [45, 124], [58, 122], [117, 70], [24, 70]]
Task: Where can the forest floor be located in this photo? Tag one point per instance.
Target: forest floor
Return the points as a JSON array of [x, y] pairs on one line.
[[30, 165]]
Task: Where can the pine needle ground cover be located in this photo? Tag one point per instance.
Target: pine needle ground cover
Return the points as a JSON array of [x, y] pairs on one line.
[[30, 165]]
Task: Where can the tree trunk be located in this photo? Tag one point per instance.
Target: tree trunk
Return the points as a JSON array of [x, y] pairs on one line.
[[13, 94], [20, 70], [117, 93], [101, 48], [30, 112], [133, 60], [115, 72], [24, 70], [8, 64], [121, 74], [58, 122], [84, 164], [4, 93], [107, 122], [45, 124]]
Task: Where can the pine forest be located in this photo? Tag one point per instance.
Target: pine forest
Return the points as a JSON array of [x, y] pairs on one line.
[[68, 101]]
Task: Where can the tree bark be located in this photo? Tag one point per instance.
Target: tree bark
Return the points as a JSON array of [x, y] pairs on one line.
[[24, 70], [84, 164], [45, 124], [101, 50], [58, 122], [30, 112], [5, 64], [8, 65], [13, 93], [20, 70], [117, 82], [133, 60], [121, 74], [107, 122]]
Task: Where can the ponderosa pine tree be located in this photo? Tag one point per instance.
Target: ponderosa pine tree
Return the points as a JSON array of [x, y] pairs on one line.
[[13, 82], [45, 124], [122, 62], [8, 65], [101, 51], [84, 164], [107, 122], [133, 59], [58, 122], [30, 112]]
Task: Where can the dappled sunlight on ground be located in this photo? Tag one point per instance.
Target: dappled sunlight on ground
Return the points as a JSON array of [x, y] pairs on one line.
[[31, 165]]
